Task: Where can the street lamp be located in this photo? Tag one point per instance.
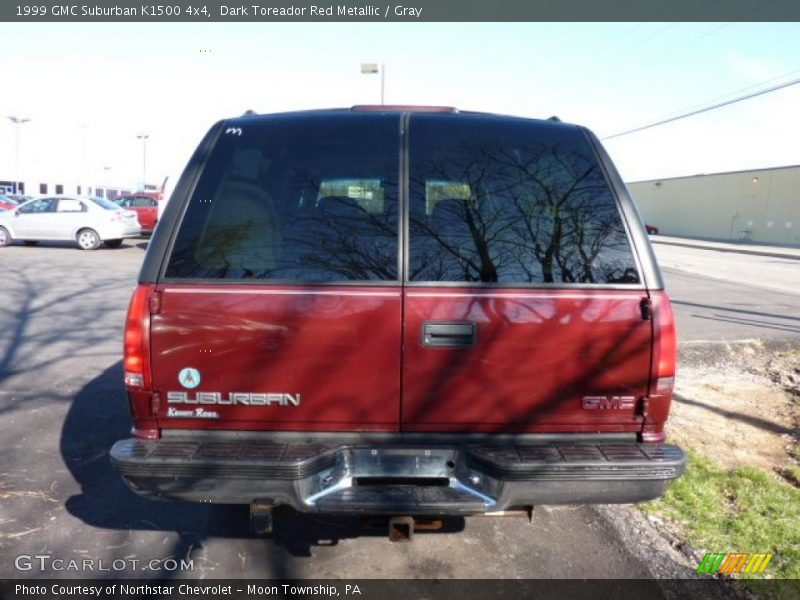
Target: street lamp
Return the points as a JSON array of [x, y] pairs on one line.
[[372, 69], [18, 121], [83, 177], [143, 137]]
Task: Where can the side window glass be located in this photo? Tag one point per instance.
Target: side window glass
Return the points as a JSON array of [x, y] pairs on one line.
[[70, 205], [43, 205], [513, 202], [307, 199]]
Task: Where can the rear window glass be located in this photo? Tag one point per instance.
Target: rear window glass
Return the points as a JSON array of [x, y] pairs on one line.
[[499, 200], [297, 198], [107, 204]]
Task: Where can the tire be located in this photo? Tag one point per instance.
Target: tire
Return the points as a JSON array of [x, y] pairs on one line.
[[88, 239], [113, 243], [5, 237], [30, 242]]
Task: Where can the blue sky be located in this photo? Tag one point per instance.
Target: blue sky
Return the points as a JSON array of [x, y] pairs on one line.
[[90, 88]]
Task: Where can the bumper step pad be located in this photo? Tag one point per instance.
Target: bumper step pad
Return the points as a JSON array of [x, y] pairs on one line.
[[226, 460], [574, 461]]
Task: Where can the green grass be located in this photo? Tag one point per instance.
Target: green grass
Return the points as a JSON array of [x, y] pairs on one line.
[[743, 510], [795, 471]]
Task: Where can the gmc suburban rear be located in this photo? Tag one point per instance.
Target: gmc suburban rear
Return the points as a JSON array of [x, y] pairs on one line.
[[399, 311]]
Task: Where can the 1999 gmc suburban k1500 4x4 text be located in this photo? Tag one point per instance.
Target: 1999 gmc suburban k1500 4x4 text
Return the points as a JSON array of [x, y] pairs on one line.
[[400, 311]]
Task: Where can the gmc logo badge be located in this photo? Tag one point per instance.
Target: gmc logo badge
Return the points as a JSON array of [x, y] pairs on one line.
[[608, 402]]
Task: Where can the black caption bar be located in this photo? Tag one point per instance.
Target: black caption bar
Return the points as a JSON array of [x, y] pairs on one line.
[[33, 11], [380, 589]]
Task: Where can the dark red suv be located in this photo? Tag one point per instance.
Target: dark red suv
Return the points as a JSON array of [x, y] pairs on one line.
[[399, 311]]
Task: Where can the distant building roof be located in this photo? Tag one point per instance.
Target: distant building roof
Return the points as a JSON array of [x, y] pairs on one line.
[[712, 174]]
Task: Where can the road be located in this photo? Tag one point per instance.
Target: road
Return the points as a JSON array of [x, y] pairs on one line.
[[63, 406], [728, 296]]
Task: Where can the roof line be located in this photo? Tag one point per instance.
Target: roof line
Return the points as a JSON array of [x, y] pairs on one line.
[[717, 173]]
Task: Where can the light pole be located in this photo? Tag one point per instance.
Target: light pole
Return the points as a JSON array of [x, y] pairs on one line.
[[83, 177], [373, 68], [143, 137], [18, 121]]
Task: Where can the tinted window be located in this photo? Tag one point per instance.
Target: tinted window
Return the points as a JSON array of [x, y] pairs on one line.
[[511, 201], [43, 205], [107, 204], [299, 198], [143, 201]]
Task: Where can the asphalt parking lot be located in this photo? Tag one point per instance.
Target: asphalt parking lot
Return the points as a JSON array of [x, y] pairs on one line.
[[62, 404]]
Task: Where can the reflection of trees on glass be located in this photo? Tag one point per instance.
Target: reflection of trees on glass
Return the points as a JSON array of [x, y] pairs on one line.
[[312, 201], [516, 213], [347, 237], [306, 237]]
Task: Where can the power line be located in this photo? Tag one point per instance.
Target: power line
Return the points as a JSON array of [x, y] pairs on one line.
[[733, 93], [652, 59], [653, 18], [706, 109]]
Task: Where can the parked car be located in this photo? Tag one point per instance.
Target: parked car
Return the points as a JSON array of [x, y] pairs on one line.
[[144, 205], [651, 229], [87, 220], [7, 203], [480, 329]]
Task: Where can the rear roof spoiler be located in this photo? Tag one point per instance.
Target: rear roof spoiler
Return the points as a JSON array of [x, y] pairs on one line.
[[403, 108]]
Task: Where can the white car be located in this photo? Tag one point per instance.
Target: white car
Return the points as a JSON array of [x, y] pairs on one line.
[[87, 220]]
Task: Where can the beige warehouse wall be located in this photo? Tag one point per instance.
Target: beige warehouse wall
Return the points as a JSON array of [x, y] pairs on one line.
[[761, 205]]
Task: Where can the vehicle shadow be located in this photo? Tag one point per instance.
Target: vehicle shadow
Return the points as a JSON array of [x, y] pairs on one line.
[[728, 414], [98, 417], [737, 310], [791, 328], [47, 244]]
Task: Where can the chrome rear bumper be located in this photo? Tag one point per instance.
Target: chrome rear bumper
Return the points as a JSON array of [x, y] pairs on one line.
[[393, 478]]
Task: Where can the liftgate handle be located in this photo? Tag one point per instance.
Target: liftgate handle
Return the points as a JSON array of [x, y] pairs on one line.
[[449, 334]]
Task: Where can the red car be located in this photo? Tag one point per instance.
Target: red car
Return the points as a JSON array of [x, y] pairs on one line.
[[146, 207], [7, 203], [399, 311]]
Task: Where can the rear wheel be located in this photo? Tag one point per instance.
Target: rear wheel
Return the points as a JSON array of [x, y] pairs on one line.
[[5, 237], [88, 239], [113, 243]]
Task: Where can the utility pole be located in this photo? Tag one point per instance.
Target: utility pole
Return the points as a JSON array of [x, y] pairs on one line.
[[372, 69], [143, 137], [383, 81], [18, 122]]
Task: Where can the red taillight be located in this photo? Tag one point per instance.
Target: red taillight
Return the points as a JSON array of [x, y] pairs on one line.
[[136, 362], [666, 348], [662, 375]]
